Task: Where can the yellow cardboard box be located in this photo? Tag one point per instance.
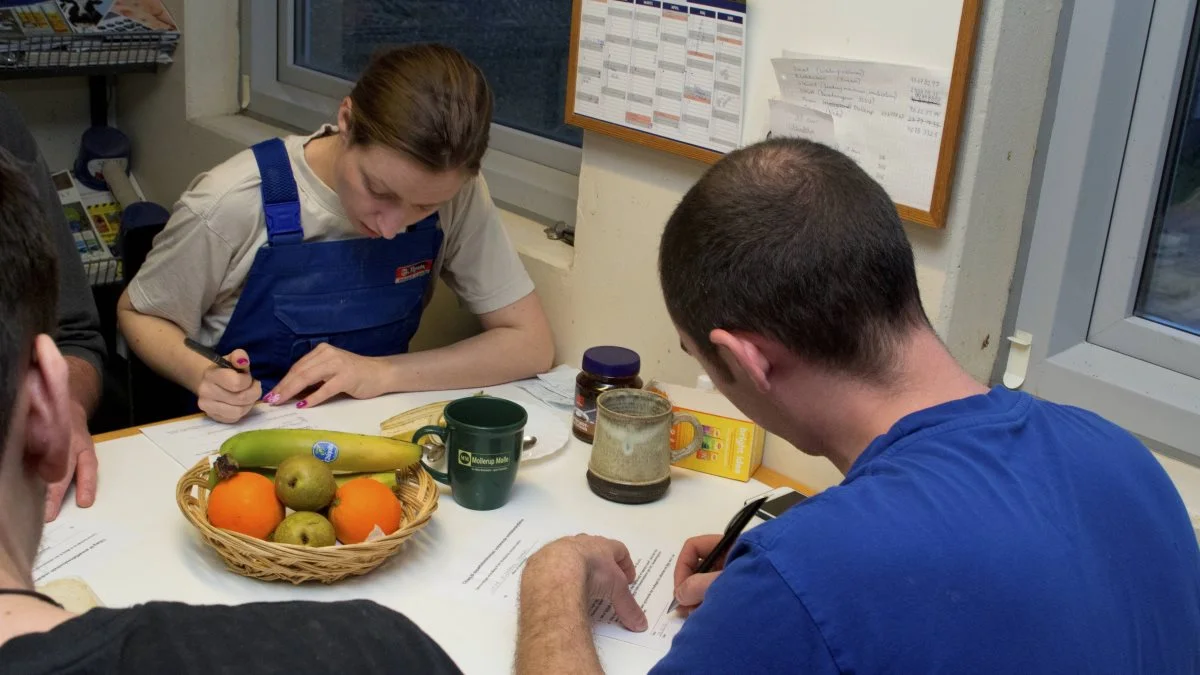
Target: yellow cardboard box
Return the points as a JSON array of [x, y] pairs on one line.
[[732, 445]]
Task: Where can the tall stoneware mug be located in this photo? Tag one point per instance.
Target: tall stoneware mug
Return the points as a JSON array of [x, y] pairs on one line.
[[631, 455]]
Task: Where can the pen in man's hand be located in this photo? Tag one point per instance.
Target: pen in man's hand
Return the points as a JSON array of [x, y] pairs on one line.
[[735, 527], [210, 354]]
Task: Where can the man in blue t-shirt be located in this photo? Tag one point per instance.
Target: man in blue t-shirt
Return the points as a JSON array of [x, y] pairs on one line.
[[976, 531]]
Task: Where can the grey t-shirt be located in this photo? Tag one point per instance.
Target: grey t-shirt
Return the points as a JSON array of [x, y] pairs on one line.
[[78, 330], [198, 266]]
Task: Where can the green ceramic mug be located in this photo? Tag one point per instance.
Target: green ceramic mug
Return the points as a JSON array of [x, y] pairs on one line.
[[483, 438]]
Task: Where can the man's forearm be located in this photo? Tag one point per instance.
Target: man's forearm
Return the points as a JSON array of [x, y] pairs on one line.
[[493, 357], [555, 632], [84, 383]]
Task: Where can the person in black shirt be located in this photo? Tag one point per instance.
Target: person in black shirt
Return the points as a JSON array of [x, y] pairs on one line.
[[37, 635]]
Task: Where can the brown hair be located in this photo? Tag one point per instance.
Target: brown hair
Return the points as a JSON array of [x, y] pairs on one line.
[[792, 240], [427, 101], [28, 281]]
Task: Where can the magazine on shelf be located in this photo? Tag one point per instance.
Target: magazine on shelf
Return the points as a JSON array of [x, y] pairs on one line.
[[95, 220], [116, 16], [84, 13], [41, 19]]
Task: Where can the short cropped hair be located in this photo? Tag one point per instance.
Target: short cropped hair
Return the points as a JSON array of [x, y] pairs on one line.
[[792, 240]]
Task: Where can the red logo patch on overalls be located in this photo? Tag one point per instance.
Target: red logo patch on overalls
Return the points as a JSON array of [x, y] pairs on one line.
[[414, 271]]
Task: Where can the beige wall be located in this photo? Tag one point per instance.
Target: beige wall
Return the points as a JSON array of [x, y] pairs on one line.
[[56, 110]]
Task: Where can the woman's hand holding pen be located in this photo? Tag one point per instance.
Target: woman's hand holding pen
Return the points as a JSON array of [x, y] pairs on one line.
[[228, 395], [690, 587]]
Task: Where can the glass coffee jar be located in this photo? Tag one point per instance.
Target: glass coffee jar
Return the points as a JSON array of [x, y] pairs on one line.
[[604, 368]]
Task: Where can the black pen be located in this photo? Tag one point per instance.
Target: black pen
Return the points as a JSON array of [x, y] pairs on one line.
[[210, 354], [735, 527]]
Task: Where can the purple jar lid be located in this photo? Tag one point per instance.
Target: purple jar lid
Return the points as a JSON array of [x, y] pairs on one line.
[[611, 362]]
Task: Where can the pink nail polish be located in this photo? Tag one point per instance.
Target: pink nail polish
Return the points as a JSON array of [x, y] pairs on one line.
[[272, 398], [242, 362], [302, 404]]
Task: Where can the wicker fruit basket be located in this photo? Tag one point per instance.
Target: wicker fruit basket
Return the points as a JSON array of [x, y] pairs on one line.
[[269, 561]]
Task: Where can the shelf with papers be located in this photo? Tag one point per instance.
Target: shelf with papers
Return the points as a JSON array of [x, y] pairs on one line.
[[85, 54]]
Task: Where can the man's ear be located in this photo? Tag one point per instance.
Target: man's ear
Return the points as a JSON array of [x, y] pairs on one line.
[[742, 353], [47, 428]]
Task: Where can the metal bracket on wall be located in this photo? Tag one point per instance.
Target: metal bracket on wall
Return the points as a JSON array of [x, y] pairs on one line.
[[560, 231], [1018, 359]]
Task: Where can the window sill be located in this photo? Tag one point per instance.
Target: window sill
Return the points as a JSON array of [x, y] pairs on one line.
[[240, 128], [529, 238], [527, 235], [1148, 400]]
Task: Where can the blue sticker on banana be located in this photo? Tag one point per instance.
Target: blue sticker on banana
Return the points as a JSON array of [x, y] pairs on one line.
[[325, 451]]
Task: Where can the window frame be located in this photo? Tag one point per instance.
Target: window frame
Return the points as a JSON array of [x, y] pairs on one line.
[[1163, 97], [536, 176], [1109, 118]]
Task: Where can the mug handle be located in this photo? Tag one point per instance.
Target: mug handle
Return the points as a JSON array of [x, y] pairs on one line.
[[697, 437], [440, 432]]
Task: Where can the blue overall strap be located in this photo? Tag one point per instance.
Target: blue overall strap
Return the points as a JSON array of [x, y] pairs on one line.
[[281, 200], [429, 222]]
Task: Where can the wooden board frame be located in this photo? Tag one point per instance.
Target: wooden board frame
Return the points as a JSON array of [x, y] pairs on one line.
[[624, 133], [960, 77]]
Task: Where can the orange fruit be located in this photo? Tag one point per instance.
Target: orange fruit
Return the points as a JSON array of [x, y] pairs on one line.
[[245, 503], [362, 504]]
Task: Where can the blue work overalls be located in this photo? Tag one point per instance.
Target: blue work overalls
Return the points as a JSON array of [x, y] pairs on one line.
[[365, 296]]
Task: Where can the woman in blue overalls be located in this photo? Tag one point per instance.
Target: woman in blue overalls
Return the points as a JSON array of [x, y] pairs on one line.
[[308, 261]]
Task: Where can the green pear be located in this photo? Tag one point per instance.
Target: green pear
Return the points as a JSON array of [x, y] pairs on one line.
[[304, 483], [304, 528]]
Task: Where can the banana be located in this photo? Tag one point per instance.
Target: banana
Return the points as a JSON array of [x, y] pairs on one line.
[[353, 453], [388, 478], [403, 425]]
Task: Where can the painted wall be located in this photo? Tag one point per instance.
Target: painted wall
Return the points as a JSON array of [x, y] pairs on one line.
[[57, 112]]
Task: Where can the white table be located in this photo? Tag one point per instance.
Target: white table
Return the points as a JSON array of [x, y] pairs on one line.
[[165, 558]]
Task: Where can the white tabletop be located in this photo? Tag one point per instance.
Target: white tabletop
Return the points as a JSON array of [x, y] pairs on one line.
[[161, 557]]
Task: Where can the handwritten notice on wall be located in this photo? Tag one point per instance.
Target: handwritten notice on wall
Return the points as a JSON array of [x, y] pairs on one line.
[[793, 119], [889, 118]]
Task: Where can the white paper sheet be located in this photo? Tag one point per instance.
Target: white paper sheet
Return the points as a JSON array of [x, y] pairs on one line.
[[187, 441], [494, 573], [889, 118], [69, 549], [654, 588], [791, 119], [555, 388]]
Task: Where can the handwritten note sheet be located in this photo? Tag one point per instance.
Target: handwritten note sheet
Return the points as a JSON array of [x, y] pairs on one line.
[[889, 118]]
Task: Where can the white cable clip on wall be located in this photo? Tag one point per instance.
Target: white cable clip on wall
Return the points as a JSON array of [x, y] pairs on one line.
[[1018, 359]]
